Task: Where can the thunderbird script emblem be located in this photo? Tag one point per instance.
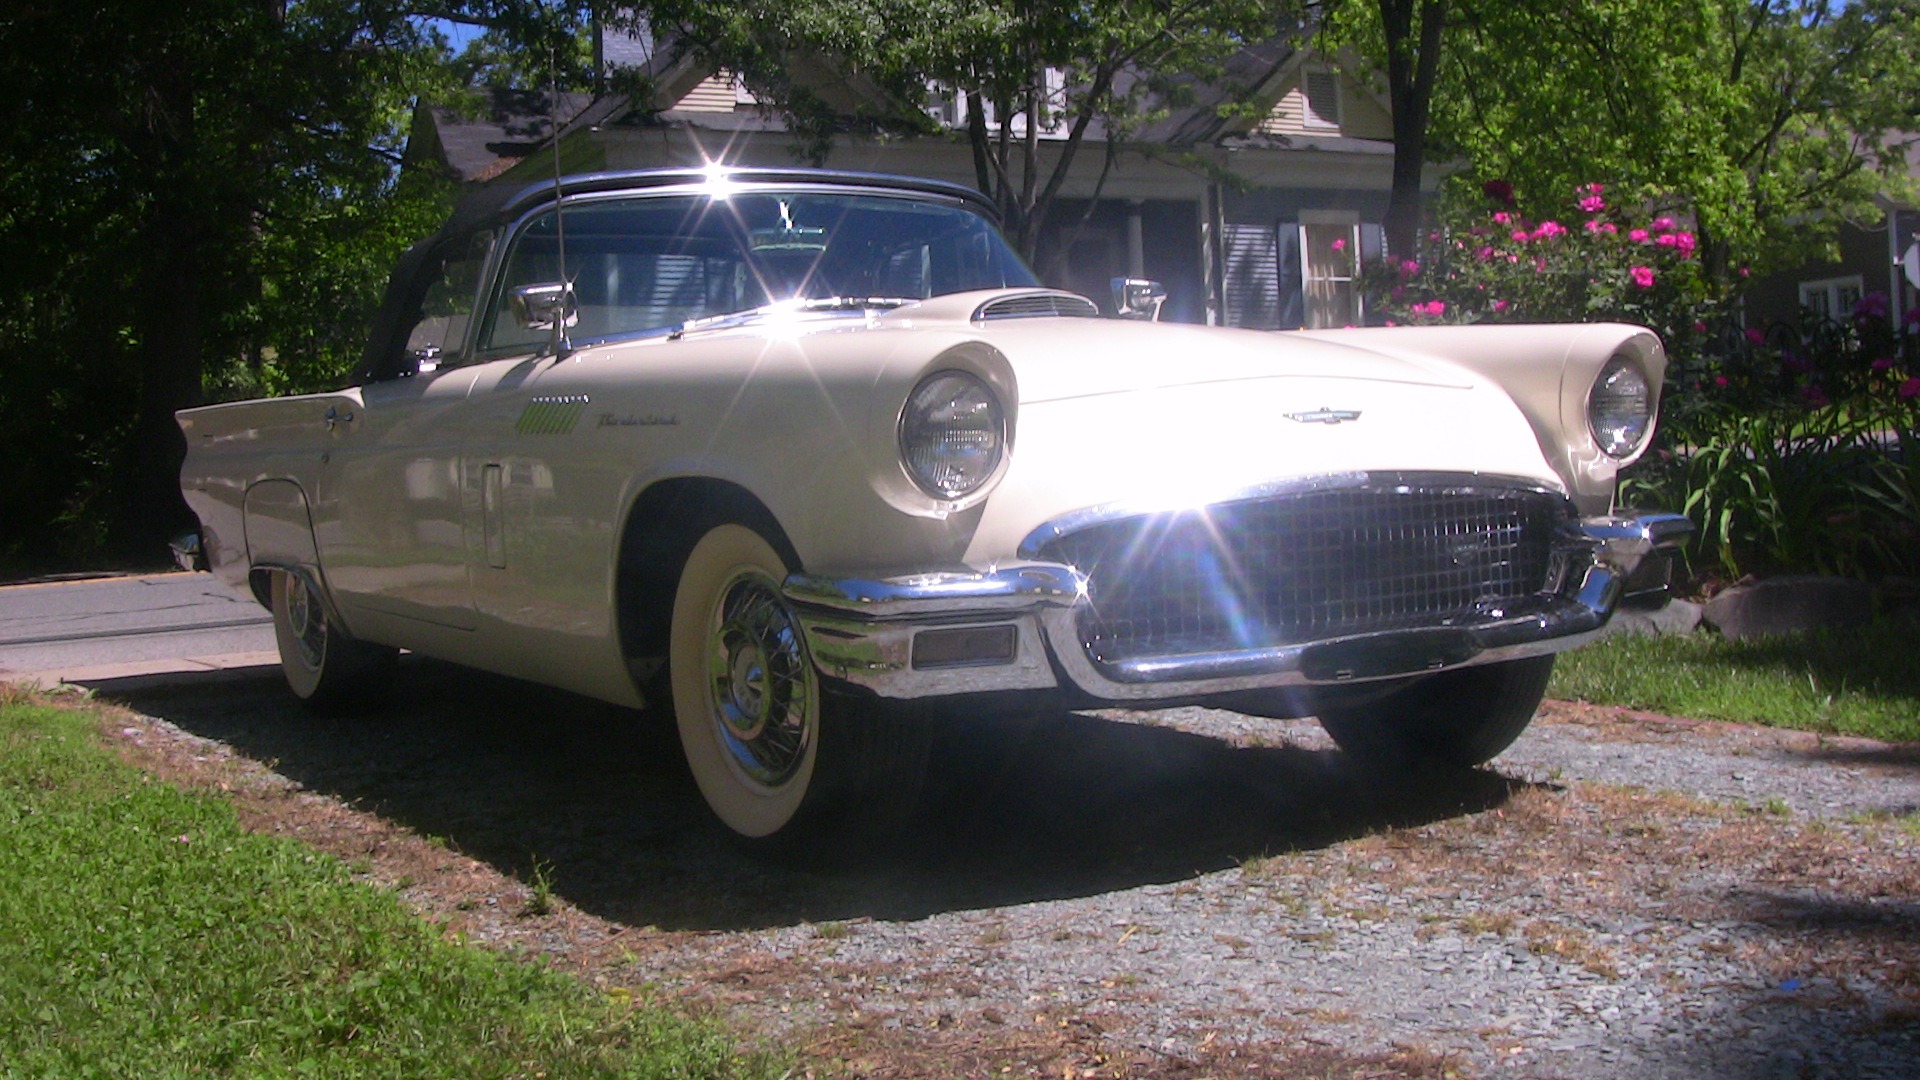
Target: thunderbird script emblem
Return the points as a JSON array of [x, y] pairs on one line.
[[1324, 415]]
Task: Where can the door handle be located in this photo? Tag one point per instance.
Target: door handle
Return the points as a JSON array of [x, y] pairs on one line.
[[335, 418]]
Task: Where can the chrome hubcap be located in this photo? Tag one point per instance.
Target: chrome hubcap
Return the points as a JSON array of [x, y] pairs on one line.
[[761, 683], [304, 619]]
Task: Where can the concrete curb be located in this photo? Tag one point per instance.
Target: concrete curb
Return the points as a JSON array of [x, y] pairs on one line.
[[152, 674]]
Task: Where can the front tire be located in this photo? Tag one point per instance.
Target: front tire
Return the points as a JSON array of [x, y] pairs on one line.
[[324, 667], [1456, 719], [778, 757]]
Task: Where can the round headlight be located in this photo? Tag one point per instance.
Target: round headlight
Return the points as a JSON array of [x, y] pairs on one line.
[[1619, 407], [952, 434]]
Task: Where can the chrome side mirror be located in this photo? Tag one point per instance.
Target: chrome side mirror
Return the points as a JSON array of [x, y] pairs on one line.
[[1138, 298], [546, 306]]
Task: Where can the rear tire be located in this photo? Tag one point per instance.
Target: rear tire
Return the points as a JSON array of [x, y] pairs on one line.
[[1456, 719], [324, 667], [783, 761]]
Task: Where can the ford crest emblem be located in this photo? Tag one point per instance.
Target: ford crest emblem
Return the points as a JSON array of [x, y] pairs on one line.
[[1324, 415]]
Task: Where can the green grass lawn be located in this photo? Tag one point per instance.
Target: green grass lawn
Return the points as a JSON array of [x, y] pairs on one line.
[[1854, 682], [143, 933]]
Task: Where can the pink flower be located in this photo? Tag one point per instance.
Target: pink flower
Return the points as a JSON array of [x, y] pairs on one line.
[[1746, 271], [1548, 230], [1664, 224], [1432, 309], [1638, 236], [1720, 380], [1871, 306], [1593, 204], [1503, 218], [1910, 389], [1339, 245], [1668, 240], [1699, 327], [1501, 305], [1883, 364], [1409, 267], [1596, 189], [1520, 236], [1642, 276], [1487, 253], [1755, 336]]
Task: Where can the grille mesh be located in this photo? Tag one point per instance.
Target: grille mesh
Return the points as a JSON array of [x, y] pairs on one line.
[[1307, 567], [1038, 305]]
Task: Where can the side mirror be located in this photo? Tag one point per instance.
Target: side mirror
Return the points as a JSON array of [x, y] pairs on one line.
[[1138, 298], [546, 306]]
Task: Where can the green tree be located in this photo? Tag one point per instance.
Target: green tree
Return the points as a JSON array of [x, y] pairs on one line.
[[1020, 67], [1765, 122], [199, 194]]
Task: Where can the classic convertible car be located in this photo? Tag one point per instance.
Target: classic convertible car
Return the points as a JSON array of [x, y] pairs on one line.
[[803, 453]]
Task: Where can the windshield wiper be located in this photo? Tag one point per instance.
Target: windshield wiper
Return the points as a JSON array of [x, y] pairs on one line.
[[791, 307]]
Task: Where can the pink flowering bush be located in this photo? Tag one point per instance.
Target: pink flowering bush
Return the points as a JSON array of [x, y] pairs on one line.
[[1490, 264], [1793, 449]]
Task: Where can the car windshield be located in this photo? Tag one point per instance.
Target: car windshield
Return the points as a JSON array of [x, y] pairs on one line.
[[651, 264]]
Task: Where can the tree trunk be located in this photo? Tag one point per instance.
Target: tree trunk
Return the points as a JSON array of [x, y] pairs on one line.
[[170, 324], [1411, 68]]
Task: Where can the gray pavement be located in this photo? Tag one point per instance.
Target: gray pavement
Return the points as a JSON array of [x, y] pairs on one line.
[[129, 627]]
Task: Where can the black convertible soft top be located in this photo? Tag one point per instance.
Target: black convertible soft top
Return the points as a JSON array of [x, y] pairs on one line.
[[489, 207]]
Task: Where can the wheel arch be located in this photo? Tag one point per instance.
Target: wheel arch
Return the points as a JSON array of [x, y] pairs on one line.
[[659, 530], [278, 531]]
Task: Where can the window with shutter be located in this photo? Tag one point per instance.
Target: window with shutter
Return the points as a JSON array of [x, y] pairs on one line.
[[1322, 89]]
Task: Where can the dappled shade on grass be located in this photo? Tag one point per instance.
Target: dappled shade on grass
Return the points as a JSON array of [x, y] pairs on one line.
[[143, 932]]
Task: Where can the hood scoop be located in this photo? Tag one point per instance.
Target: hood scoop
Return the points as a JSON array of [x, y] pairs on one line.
[[1037, 305]]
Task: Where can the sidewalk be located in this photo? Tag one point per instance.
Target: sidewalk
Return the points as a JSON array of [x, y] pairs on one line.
[[149, 674]]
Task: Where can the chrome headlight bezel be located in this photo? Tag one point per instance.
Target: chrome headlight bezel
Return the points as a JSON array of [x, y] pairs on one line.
[[952, 434], [1620, 407]]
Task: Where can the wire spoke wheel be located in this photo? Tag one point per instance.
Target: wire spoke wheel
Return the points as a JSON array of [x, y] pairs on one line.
[[796, 770], [324, 667], [763, 697]]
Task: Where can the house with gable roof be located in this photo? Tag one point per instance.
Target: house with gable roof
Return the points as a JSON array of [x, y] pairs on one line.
[[1261, 218]]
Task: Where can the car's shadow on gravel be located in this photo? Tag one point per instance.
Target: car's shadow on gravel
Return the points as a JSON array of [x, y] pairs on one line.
[[1034, 806]]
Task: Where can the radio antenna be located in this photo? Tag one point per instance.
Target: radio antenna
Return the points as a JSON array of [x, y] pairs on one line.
[[562, 347]]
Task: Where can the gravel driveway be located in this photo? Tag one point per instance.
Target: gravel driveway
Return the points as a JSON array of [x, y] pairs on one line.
[[1181, 893]]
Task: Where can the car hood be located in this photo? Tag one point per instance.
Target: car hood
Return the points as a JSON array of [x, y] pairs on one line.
[[1061, 358]]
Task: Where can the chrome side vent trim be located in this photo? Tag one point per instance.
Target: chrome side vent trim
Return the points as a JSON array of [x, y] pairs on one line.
[[1037, 305]]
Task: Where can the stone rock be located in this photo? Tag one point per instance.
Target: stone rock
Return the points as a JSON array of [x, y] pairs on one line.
[[1673, 617], [1786, 604]]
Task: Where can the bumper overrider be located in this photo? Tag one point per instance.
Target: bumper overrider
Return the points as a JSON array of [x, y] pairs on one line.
[[1018, 627]]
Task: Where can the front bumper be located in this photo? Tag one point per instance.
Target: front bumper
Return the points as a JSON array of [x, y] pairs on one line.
[[1014, 628]]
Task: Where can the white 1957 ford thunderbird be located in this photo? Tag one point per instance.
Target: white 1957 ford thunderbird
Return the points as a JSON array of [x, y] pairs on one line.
[[799, 452]]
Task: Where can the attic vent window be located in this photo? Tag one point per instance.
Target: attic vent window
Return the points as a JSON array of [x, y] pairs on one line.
[[1323, 99]]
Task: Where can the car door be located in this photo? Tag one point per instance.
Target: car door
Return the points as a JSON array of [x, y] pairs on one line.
[[390, 521], [390, 516]]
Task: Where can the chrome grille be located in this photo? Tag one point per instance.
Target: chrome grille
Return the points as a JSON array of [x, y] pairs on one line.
[[1309, 567], [1037, 305]]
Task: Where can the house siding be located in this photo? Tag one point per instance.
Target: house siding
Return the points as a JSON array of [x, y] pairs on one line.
[[715, 94], [1863, 251], [1361, 117]]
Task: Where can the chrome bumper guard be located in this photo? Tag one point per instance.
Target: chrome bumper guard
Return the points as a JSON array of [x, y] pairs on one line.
[[863, 631]]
